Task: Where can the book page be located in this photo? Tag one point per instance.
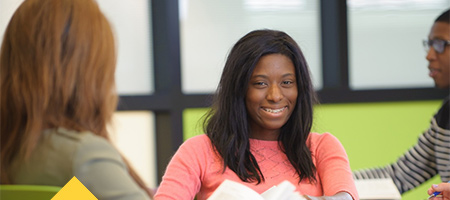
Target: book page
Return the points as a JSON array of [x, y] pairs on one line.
[[283, 191], [377, 189], [231, 190]]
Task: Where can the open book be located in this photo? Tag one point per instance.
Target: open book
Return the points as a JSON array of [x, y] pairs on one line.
[[382, 188], [231, 190]]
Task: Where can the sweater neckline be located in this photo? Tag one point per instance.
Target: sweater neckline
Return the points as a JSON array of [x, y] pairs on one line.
[[263, 143]]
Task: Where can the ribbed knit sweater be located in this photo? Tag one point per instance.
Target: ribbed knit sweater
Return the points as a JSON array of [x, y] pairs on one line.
[[196, 170]]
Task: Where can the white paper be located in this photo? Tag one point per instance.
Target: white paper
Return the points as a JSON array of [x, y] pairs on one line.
[[285, 190], [377, 189], [230, 190]]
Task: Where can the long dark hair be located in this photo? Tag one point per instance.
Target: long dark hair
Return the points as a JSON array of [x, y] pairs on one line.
[[226, 124]]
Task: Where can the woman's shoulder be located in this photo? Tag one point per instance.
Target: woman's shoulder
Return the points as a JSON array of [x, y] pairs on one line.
[[198, 138], [199, 141], [72, 137], [83, 145], [60, 153], [67, 141], [197, 147], [318, 139]]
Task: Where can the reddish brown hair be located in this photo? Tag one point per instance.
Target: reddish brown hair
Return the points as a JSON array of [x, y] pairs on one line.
[[57, 66]]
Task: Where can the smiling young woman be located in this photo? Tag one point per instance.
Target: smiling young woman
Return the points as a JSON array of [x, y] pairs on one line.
[[258, 129]]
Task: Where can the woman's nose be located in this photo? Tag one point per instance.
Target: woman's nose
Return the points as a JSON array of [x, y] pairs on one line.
[[274, 93]]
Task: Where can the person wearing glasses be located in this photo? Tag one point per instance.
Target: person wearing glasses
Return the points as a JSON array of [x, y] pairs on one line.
[[431, 155]]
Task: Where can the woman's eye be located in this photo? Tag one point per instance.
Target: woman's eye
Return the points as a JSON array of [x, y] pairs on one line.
[[288, 82], [260, 83]]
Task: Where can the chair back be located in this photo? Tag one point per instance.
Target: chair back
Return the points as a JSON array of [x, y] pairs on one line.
[[27, 192]]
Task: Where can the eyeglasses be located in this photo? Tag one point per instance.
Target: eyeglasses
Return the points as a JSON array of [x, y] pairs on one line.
[[437, 44]]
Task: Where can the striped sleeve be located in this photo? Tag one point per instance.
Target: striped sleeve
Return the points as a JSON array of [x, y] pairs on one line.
[[427, 158]]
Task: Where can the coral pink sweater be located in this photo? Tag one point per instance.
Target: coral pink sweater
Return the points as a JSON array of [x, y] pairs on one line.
[[196, 170]]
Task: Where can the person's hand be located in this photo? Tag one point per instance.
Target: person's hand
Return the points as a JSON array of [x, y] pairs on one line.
[[444, 188]]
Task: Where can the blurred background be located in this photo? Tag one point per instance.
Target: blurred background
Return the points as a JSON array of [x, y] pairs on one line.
[[365, 56]]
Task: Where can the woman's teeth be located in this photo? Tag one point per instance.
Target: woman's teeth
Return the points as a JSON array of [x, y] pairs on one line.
[[275, 110]]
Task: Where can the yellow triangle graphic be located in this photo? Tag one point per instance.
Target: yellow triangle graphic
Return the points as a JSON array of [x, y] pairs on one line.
[[74, 190]]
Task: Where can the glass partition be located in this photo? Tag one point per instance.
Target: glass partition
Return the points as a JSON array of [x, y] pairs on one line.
[[208, 29], [385, 42], [131, 21]]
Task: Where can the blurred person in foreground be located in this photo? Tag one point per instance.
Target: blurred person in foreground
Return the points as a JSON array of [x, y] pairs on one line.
[[57, 65]]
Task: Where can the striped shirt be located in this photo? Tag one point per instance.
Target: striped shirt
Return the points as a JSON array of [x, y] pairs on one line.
[[429, 157]]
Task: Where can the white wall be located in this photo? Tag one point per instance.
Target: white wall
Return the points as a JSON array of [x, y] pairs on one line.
[[134, 135]]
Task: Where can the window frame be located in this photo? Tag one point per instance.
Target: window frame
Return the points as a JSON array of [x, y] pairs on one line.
[[168, 100]]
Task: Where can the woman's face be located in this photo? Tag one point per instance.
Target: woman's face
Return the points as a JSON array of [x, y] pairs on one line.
[[271, 96]]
